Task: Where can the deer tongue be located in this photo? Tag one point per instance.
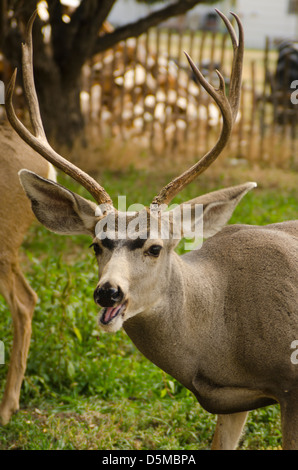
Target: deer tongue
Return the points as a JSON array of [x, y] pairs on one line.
[[110, 312]]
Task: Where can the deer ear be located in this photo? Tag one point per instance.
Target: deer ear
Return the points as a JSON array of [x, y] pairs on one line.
[[219, 210], [218, 207], [57, 208]]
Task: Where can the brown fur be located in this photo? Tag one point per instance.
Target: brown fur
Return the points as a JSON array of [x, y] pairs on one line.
[[16, 216]]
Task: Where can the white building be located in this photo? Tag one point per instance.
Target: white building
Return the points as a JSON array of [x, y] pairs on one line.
[[127, 11], [277, 19]]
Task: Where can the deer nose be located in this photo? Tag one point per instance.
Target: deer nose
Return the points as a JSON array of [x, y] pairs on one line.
[[107, 295]]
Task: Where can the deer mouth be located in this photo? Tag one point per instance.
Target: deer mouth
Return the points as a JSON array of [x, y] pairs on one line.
[[110, 313]]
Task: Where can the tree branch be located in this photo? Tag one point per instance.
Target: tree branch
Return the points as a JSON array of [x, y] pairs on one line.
[[83, 31], [58, 31], [138, 27]]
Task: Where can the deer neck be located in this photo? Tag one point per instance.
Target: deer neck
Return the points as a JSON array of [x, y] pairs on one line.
[[166, 334]]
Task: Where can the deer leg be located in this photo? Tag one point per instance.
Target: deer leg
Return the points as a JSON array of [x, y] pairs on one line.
[[21, 300], [289, 420], [228, 431]]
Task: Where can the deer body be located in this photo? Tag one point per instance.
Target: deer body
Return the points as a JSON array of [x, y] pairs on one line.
[[210, 329], [222, 319]]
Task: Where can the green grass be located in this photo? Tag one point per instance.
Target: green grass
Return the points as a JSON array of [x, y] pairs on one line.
[[85, 389]]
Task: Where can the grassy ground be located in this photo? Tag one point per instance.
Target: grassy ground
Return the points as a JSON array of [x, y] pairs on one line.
[[88, 390]]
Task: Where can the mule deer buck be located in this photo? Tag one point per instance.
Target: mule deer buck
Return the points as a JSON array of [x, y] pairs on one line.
[[221, 319]]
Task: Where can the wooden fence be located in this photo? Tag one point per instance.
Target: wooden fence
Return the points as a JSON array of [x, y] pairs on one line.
[[142, 91]]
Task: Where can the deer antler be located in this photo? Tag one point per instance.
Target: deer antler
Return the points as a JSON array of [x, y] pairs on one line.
[[38, 141], [228, 106]]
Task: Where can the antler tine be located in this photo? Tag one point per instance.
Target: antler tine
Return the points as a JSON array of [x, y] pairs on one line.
[[236, 72], [38, 141], [228, 106], [28, 81]]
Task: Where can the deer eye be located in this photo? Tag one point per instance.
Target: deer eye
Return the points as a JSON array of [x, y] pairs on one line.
[[154, 250], [96, 248]]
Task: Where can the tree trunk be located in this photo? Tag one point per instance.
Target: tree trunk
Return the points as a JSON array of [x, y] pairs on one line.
[[59, 101], [58, 65]]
